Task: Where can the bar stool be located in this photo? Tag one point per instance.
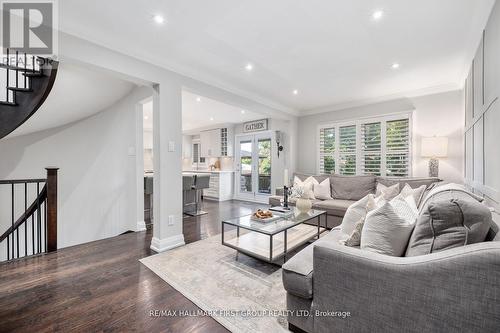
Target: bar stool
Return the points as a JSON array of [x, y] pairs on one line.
[[201, 181]]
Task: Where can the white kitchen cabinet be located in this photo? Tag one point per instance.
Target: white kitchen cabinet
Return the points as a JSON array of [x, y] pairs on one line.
[[221, 186], [217, 142]]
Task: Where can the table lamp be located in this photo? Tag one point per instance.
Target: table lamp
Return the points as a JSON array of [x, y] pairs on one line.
[[434, 147]]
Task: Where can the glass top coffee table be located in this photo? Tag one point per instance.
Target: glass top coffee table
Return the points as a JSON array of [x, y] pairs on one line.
[[271, 241]]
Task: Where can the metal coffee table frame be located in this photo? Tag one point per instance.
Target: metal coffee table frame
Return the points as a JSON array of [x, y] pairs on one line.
[[286, 250]]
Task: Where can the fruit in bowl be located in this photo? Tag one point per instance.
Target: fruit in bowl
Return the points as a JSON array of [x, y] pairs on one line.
[[263, 214]]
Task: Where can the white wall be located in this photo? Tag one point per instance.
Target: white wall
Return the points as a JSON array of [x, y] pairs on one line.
[[97, 177], [438, 114]]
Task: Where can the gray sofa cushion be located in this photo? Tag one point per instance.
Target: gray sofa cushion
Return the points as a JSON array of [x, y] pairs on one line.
[[336, 207], [298, 271], [446, 224], [352, 187], [303, 176]]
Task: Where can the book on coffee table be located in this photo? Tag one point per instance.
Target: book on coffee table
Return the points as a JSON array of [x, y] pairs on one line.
[[280, 209]]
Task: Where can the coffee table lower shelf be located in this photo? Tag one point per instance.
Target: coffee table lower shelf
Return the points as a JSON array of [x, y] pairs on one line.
[[258, 245]]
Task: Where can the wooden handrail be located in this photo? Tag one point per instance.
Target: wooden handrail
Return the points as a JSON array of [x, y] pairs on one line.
[[30, 211], [22, 181]]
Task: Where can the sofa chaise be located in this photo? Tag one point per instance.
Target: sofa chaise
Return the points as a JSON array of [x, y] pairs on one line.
[[335, 288]]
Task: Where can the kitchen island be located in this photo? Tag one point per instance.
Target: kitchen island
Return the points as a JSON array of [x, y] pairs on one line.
[[221, 184]]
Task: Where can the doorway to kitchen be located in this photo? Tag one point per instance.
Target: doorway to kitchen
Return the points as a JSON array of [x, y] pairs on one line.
[[253, 166], [147, 113]]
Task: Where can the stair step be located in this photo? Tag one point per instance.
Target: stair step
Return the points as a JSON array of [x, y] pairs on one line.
[[20, 69], [20, 89], [8, 103]]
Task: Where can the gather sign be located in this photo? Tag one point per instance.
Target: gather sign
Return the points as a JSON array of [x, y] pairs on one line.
[[255, 126]]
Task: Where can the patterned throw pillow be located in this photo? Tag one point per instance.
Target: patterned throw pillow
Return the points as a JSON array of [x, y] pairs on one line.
[[417, 193], [388, 193], [307, 185], [355, 236], [387, 229]]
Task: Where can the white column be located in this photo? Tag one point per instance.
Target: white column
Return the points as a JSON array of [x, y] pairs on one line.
[[167, 161], [139, 168]]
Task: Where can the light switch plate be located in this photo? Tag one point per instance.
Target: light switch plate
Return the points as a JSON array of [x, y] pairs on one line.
[[171, 219], [131, 151], [171, 146]]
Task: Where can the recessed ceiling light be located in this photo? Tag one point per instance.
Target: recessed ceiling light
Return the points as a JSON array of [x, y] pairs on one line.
[[159, 19], [242, 111], [249, 67], [395, 65], [377, 15], [146, 117], [198, 99], [295, 92], [211, 118]]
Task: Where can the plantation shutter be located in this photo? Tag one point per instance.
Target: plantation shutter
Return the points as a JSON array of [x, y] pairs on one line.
[[398, 148], [347, 156], [371, 149], [327, 150]]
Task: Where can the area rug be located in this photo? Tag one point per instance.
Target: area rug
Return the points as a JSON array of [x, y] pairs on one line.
[[241, 293]]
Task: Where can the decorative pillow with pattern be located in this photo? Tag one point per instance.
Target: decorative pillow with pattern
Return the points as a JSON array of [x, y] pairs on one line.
[[417, 193], [387, 229], [307, 185], [355, 236], [388, 193]]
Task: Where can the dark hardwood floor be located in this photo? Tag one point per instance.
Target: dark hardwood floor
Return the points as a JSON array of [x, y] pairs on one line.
[[102, 287]]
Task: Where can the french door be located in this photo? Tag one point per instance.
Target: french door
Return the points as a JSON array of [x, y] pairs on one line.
[[253, 166]]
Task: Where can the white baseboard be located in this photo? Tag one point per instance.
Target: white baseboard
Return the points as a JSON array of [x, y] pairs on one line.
[[141, 226], [162, 245]]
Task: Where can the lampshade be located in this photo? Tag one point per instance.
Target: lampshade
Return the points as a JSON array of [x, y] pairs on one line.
[[436, 146]]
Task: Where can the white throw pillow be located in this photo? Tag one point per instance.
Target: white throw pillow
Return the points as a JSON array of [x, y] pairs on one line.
[[388, 228], [388, 193], [417, 193], [357, 211], [322, 190], [307, 185]]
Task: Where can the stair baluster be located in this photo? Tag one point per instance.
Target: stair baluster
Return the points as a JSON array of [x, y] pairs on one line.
[[43, 215]]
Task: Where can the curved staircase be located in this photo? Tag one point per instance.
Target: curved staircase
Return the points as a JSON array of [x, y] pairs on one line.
[[32, 225], [29, 80]]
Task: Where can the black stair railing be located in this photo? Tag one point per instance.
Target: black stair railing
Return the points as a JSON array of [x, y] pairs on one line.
[[33, 226], [29, 80]]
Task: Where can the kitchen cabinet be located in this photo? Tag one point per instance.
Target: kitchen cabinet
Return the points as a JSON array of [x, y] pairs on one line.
[[221, 186], [217, 142]]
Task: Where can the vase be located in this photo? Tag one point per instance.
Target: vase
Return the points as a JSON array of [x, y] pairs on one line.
[[303, 205]]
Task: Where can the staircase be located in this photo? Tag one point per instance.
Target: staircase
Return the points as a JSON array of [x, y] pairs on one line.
[[28, 207], [28, 82]]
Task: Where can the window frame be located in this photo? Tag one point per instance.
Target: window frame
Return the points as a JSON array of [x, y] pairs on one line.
[[383, 119]]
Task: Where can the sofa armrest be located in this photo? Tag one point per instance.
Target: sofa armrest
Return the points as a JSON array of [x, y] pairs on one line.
[[456, 289]]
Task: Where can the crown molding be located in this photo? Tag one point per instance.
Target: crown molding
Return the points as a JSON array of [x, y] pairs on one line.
[[368, 101]]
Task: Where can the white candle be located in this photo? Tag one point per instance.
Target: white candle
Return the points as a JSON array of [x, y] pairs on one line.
[[286, 179]]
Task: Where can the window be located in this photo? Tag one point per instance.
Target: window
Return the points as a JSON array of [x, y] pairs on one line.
[[327, 150], [197, 159], [378, 146]]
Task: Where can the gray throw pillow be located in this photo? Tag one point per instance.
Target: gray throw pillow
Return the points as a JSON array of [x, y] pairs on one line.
[[352, 187], [446, 224]]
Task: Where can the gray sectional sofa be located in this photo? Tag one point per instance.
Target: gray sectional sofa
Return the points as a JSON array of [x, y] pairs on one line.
[[335, 288], [346, 190]]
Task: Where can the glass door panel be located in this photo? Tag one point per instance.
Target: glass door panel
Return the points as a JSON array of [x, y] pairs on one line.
[[264, 168], [246, 166]]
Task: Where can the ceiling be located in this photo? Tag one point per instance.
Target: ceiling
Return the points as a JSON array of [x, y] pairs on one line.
[[332, 52], [78, 93], [200, 112]]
